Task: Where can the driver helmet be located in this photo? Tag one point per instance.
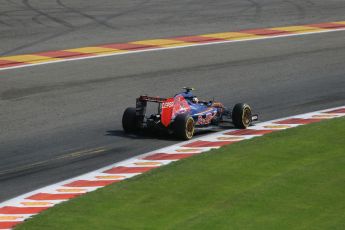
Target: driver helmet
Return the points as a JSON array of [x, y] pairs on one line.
[[195, 100]]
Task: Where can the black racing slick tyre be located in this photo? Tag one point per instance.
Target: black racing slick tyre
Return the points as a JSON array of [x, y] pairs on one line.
[[183, 127], [241, 116], [129, 120]]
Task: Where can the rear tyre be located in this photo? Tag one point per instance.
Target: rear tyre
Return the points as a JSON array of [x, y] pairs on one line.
[[129, 120], [241, 115], [183, 126]]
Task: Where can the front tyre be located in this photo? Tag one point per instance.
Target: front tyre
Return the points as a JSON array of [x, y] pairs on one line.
[[241, 115], [129, 120], [183, 126]]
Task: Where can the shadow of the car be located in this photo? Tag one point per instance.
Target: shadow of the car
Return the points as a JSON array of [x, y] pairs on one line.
[[141, 135], [154, 135]]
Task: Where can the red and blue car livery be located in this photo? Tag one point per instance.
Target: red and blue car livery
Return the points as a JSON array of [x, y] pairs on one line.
[[183, 114]]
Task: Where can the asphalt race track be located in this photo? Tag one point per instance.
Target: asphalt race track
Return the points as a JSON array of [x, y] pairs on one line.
[[28, 26], [61, 120]]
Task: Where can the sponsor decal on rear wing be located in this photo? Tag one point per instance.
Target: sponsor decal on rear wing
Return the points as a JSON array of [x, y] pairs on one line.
[[172, 107], [167, 111]]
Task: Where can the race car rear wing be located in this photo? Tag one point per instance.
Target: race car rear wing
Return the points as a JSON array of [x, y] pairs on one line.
[[141, 105], [166, 107], [151, 99]]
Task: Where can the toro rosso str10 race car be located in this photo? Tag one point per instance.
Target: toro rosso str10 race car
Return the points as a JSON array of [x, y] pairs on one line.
[[183, 114]]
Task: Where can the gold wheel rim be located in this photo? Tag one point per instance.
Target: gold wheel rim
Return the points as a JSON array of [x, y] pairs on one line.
[[246, 116], [190, 128]]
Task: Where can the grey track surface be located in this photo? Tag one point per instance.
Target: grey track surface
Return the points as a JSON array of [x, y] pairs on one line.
[[28, 26], [50, 112]]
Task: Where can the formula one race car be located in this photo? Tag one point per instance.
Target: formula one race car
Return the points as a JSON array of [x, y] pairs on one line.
[[183, 114]]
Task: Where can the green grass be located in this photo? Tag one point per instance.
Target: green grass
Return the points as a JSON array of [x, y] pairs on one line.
[[293, 179]]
